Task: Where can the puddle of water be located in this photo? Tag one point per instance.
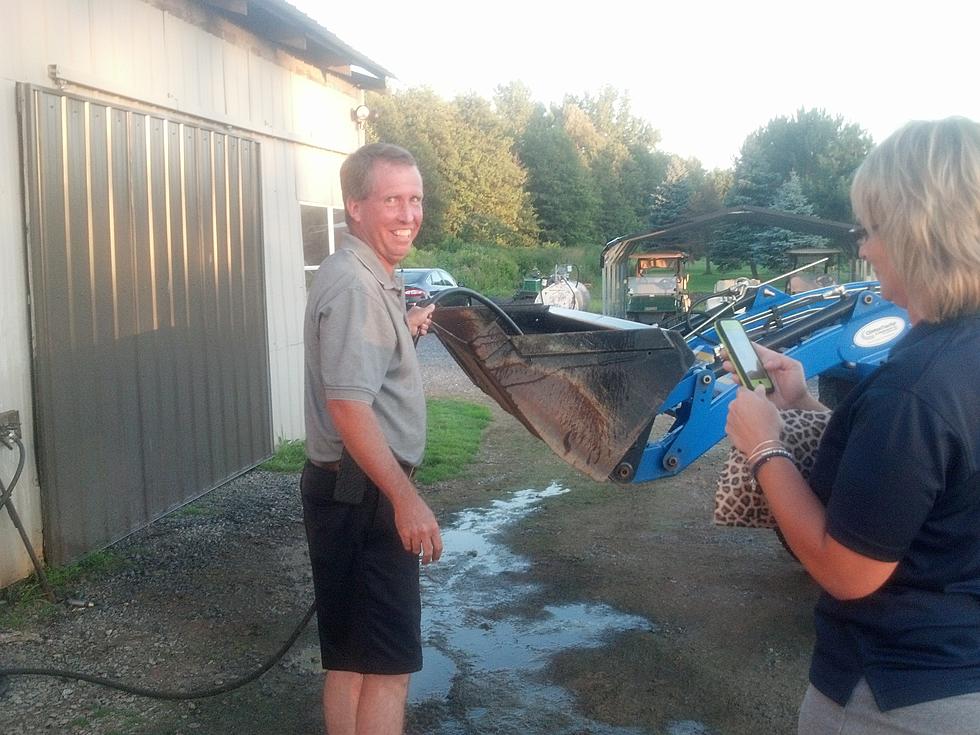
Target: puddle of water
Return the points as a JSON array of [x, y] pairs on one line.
[[500, 658], [527, 644], [687, 727], [497, 660]]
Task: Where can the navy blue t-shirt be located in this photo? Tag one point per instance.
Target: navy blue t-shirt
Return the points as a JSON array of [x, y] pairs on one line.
[[898, 472]]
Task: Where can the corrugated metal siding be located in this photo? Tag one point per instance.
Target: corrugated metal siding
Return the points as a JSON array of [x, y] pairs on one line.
[[180, 60], [142, 51], [151, 350]]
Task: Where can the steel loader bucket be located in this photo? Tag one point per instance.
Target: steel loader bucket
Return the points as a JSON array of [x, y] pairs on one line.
[[585, 384]]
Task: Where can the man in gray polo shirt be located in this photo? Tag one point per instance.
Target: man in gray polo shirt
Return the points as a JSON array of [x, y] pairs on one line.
[[366, 525]]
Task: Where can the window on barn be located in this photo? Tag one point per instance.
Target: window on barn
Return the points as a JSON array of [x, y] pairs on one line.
[[320, 225]]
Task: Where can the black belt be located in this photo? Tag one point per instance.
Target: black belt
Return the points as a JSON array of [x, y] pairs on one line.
[[335, 466]]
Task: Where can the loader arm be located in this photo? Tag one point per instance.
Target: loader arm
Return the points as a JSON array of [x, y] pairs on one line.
[[851, 336], [630, 403]]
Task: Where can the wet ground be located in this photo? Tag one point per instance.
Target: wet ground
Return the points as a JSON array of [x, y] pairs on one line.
[[479, 629], [560, 606]]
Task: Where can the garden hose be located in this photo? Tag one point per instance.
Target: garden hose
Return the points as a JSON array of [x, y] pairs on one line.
[[9, 435], [10, 438], [162, 693]]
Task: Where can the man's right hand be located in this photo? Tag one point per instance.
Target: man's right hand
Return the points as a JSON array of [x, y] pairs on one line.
[[418, 528], [416, 525]]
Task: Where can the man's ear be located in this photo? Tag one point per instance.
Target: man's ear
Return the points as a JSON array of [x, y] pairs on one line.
[[354, 209]]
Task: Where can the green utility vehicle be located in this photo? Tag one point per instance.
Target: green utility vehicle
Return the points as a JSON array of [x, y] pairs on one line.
[[656, 290]]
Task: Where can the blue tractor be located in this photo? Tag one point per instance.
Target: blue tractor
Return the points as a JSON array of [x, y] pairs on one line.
[[627, 402]]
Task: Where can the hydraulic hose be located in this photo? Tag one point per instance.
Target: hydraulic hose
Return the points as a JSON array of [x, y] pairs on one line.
[[790, 335], [477, 296], [473, 295]]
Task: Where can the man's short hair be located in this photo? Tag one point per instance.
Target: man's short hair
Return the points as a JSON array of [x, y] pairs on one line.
[[920, 192], [356, 170]]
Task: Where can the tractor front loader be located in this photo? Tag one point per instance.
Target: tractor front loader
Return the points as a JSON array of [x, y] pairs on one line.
[[629, 403]]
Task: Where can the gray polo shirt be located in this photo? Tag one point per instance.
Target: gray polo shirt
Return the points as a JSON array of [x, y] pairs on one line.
[[358, 347]]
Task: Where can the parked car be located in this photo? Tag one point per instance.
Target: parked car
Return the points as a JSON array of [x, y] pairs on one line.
[[422, 283]]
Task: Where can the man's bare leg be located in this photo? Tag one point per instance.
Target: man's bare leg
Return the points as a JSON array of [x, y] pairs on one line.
[[382, 706], [364, 704], [341, 693]]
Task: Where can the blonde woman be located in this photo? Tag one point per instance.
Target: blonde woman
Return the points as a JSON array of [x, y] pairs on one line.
[[889, 523]]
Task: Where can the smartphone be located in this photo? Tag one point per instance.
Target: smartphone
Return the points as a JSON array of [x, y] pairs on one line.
[[747, 363]]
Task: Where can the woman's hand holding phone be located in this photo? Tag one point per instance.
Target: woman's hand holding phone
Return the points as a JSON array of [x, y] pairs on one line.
[[787, 376]]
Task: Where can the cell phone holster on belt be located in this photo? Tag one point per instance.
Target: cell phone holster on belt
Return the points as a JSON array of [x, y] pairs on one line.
[[351, 481]]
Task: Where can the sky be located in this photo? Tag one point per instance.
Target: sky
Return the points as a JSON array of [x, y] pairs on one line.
[[705, 73]]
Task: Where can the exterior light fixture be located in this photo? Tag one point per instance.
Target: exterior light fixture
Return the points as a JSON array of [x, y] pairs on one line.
[[360, 115]]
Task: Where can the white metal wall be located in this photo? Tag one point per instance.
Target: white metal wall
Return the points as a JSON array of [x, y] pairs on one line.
[[15, 362], [291, 173], [134, 52]]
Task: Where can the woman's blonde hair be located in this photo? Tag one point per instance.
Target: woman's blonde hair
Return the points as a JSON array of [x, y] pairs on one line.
[[920, 192]]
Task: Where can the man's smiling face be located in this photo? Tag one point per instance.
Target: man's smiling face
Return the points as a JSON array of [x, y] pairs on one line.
[[389, 218]]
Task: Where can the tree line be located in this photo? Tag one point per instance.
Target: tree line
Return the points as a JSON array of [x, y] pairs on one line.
[[515, 173]]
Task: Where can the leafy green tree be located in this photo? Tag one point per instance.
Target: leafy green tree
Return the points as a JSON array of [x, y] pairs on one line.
[[561, 185], [497, 206], [823, 150], [619, 149], [515, 108], [771, 244], [474, 185], [611, 114]]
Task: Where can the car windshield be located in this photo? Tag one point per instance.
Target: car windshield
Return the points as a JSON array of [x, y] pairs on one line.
[[413, 277]]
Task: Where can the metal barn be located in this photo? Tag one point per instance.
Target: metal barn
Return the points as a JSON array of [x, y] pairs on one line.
[[168, 172]]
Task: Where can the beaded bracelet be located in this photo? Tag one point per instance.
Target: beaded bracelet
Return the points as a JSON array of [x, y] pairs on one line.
[[766, 456], [764, 447]]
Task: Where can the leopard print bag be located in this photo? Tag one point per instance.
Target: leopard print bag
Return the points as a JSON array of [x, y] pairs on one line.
[[738, 498]]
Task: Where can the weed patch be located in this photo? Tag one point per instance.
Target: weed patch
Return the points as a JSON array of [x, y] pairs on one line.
[[26, 599]]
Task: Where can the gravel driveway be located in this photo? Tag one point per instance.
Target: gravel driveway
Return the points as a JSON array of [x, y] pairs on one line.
[[708, 629], [198, 599]]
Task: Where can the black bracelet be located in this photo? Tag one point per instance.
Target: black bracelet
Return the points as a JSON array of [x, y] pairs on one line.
[[766, 456]]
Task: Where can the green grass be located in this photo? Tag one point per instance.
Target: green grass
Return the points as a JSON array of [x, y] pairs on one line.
[[289, 457], [98, 562], [454, 432], [27, 596], [194, 510]]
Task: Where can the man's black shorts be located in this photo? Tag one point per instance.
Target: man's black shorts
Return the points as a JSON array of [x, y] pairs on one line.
[[367, 586]]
